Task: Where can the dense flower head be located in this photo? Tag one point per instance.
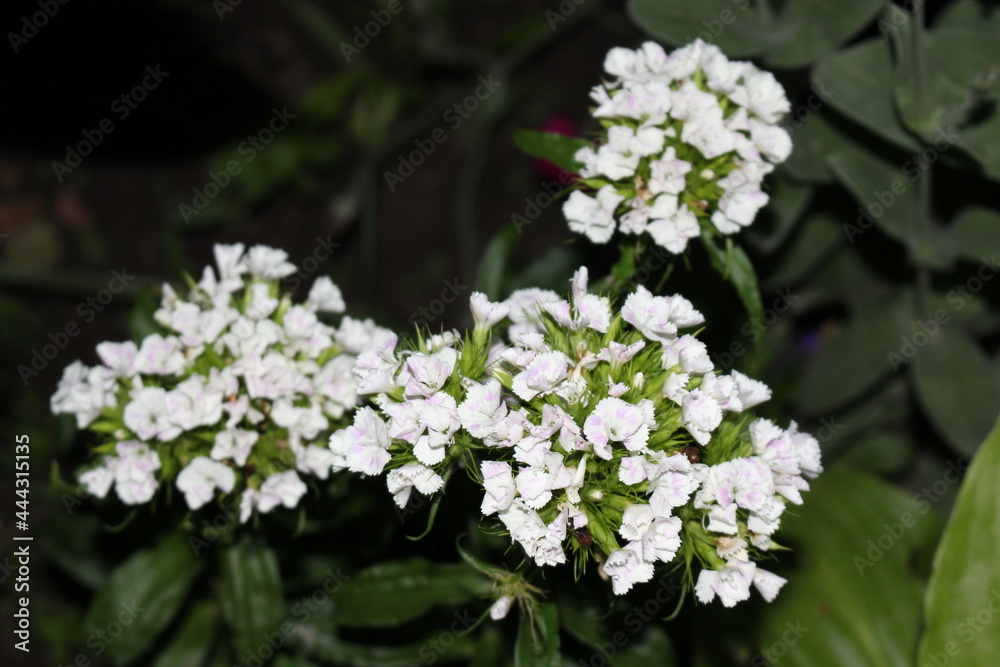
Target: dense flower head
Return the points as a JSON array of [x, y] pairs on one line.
[[237, 393], [688, 138], [595, 433]]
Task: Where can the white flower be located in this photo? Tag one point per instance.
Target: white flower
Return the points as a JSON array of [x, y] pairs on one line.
[[626, 568], [482, 409], [201, 477], [403, 480], [368, 443], [316, 460], [701, 415], [485, 312], [731, 583], [649, 314], [191, 404], [135, 478], [229, 259], [84, 392], [118, 357], [593, 217], [429, 372], [668, 173], [619, 421], [671, 224], [768, 584], [498, 485], [262, 305], [541, 376], [752, 392], [283, 488], [687, 352], [160, 356], [762, 95], [500, 608], [268, 264], [248, 500], [235, 444], [325, 297], [148, 415], [523, 523], [98, 480]]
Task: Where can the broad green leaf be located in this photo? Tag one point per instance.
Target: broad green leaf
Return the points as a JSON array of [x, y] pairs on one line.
[[818, 236], [395, 592], [882, 451], [556, 148], [250, 592], [808, 29], [968, 14], [141, 597], [963, 596], [963, 65], [850, 361], [955, 384], [975, 233], [851, 598], [814, 138], [190, 645], [538, 638], [858, 82], [884, 194], [735, 27], [733, 264]]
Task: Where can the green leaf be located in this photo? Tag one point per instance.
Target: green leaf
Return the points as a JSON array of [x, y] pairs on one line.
[[880, 190], [250, 592], [734, 27], [964, 588], [556, 148], [955, 384], [538, 638], [974, 232], [852, 598], [850, 362], [190, 645], [734, 265], [818, 236], [808, 29], [814, 138], [858, 82], [962, 67], [395, 592], [141, 597]]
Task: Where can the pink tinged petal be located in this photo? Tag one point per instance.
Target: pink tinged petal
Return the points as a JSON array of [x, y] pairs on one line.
[[768, 584]]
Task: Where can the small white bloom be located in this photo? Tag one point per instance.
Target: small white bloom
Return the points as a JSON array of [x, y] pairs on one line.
[[235, 444], [201, 477], [627, 568], [541, 376], [368, 443], [284, 488], [403, 480], [325, 297], [731, 583], [593, 217], [268, 263], [135, 473], [500, 608], [485, 312]]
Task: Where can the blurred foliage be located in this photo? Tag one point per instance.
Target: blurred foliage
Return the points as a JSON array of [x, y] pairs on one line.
[[882, 235]]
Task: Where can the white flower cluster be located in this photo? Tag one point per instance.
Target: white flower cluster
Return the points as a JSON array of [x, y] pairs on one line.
[[588, 426], [689, 138], [232, 396]]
